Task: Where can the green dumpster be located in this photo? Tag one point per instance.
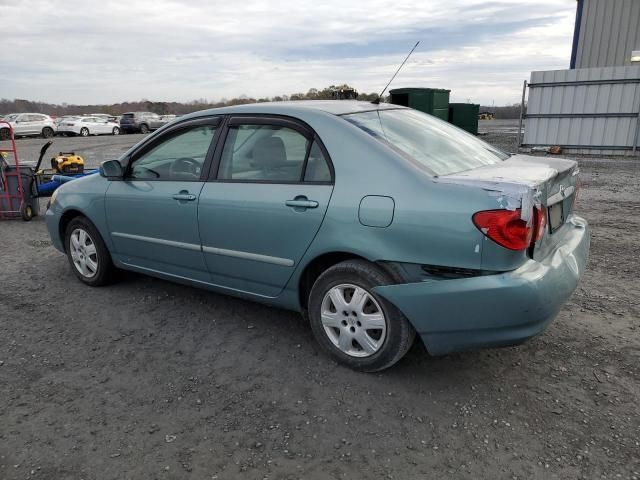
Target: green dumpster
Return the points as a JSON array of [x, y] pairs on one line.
[[434, 101], [465, 116]]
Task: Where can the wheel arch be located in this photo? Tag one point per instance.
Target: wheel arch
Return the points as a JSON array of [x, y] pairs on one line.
[[65, 219], [314, 268]]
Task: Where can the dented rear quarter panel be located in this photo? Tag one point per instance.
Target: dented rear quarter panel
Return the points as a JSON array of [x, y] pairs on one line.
[[431, 222]]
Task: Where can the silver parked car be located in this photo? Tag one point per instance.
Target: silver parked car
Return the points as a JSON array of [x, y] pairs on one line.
[[29, 124]]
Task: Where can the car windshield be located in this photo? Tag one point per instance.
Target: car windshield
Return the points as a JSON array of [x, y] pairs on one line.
[[433, 144], [12, 117]]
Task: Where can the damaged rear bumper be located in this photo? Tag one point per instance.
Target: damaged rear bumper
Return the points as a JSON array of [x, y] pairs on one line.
[[495, 310]]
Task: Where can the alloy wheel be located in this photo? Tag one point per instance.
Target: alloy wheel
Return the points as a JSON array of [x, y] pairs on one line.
[[353, 320], [83, 253]]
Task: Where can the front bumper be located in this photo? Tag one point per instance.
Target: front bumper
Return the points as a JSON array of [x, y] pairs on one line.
[[52, 220], [495, 310]]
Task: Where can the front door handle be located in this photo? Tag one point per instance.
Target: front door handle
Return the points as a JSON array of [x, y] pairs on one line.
[[301, 202], [184, 196]]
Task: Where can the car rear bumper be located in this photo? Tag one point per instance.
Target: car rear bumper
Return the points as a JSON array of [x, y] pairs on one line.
[[495, 310]]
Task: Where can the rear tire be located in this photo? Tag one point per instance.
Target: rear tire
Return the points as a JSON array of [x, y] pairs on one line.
[[47, 132], [115, 131], [389, 336], [87, 253], [84, 131], [144, 128]]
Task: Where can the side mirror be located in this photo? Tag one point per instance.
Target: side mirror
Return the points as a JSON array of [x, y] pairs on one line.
[[111, 169]]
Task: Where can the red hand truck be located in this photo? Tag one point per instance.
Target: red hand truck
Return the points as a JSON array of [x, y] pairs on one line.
[[13, 199]]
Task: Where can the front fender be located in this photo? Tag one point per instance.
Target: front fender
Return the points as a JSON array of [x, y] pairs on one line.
[[84, 196]]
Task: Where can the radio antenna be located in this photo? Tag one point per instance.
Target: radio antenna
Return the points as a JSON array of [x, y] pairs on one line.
[[377, 100]]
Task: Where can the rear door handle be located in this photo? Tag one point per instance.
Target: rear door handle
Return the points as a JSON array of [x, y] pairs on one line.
[[184, 196], [301, 202]]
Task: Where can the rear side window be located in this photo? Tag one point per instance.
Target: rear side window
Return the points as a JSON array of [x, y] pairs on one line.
[[317, 166], [433, 144], [269, 153]]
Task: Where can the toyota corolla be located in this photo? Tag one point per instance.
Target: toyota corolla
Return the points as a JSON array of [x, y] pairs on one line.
[[376, 222]]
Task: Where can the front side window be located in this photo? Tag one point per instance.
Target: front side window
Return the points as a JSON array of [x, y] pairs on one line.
[[263, 153], [179, 158], [433, 144]]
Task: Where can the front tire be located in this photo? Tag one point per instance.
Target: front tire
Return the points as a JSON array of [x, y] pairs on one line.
[[353, 324], [115, 131], [144, 128], [84, 131], [88, 255], [47, 132]]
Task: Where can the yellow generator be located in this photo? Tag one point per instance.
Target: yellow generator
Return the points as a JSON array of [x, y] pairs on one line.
[[67, 163]]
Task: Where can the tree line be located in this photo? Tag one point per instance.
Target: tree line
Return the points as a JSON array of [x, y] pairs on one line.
[[181, 108]]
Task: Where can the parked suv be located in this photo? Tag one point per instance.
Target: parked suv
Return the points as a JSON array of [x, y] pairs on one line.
[[142, 122], [28, 124]]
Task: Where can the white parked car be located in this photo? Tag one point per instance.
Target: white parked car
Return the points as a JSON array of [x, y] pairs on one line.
[[86, 126], [28, 124], [106, 116]]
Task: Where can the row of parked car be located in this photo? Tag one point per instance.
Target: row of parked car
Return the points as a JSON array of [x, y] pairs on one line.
[[38, 124]]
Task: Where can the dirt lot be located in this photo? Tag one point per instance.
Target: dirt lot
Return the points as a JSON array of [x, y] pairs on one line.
[[150, 380]]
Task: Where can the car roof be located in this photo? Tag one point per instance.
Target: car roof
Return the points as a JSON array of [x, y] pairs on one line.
[[335, 107]]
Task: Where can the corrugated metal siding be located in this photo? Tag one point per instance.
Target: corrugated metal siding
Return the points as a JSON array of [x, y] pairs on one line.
[[609, 32], [556, 97]]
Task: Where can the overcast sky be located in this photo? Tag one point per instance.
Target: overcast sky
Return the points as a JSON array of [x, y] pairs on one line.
[[89, 51]]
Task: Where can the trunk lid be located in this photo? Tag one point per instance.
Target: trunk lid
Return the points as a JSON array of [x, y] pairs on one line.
[[528, 182]]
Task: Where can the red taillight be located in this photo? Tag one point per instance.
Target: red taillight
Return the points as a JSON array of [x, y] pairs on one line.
[[539, 222], [505, 227]]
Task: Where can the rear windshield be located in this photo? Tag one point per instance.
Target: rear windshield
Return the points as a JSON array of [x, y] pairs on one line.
[[433, 144], [128, 115]]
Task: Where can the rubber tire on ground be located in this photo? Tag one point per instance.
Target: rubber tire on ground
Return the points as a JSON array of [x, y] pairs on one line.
[[47, 132], [4, 134], [26, 212], [106, 270], [400, 334], [144, 128], [115, 131], [84, 132]]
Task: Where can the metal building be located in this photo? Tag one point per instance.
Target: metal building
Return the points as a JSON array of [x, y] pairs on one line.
[[606, 33], [594, 107]]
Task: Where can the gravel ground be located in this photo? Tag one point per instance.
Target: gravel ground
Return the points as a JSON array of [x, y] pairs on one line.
[[150, 380]]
